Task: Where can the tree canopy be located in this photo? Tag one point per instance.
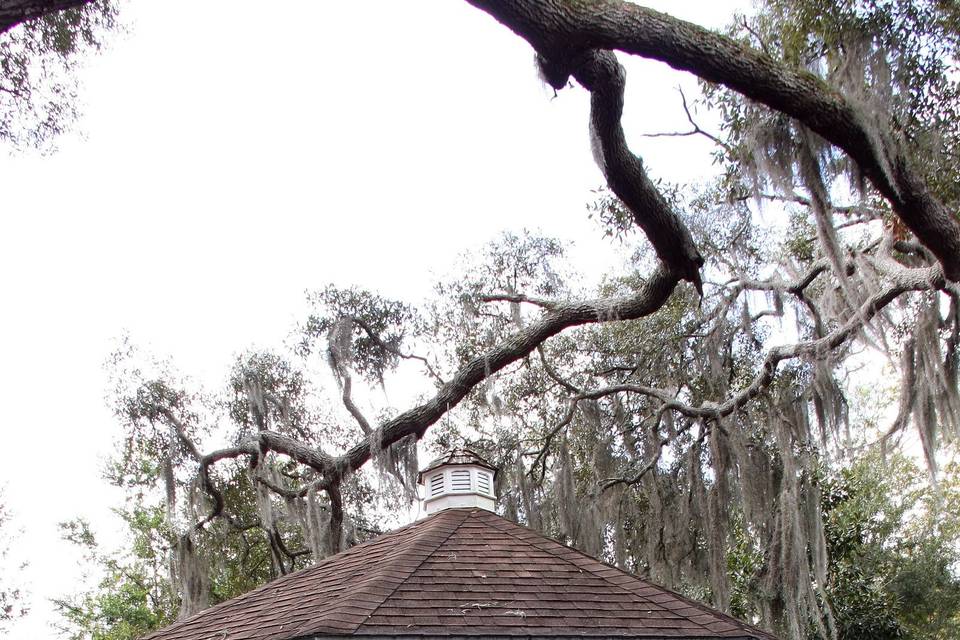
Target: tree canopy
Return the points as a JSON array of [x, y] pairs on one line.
[[14, 599], [41, 46]]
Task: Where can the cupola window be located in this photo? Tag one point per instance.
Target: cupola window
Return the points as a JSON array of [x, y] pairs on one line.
[[436, 484], [460, 480], [483, 483]]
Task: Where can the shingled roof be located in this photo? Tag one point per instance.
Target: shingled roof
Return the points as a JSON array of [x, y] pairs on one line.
[[459, 572]]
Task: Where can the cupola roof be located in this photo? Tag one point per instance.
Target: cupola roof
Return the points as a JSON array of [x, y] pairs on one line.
[[461, 456]]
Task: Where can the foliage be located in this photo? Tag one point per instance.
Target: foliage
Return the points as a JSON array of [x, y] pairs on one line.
[[894, 548], [899, 57], [362, 330], [13, 599], [134, 594], [154, 579], [39, 98]]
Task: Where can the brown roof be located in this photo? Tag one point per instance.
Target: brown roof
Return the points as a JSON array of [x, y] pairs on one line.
[[459, 572]]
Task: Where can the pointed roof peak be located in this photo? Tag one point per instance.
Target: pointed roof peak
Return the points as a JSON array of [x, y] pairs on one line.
[[459, 572]]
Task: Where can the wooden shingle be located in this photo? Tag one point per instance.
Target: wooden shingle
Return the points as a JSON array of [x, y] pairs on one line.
[[459, 573]]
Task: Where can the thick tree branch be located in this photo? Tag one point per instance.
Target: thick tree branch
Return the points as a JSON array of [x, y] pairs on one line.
[[215, 494], [217, 510], [652, 295], [564, 32], [347, 398], [302, 453], [601, 74], [336, 518], [518, 298], [254, 448], [13, 12]]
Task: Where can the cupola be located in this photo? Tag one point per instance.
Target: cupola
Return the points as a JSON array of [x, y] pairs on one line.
[[459, 478]]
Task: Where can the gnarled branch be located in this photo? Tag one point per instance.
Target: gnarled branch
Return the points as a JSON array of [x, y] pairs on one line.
[[14, 12], [651, 296], [565, 33]]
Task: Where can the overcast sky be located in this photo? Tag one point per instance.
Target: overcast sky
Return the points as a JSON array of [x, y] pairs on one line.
[[235, 155]]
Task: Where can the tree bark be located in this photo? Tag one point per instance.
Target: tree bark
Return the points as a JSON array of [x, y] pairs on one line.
[[650, 298], [605, 79], [561, 31], [652, 295], [13, 12]]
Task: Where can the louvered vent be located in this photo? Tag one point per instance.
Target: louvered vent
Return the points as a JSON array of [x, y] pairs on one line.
[[436, 484], [483, 483], [460, 480]]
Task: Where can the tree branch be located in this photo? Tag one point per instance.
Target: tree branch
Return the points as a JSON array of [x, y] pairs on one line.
[[397, 352], [863, 210], [651, 296], [696, 131], [604, 77], [921, 279], [14, 12], [564, 32], [609, 483], [904, 280], [348, 402], [554, 375], [778, 284], [518, 298]]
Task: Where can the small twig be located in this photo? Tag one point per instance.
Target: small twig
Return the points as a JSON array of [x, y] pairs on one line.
[[556, 377], [760, 41], [866, 213], [694, 132], [395, 351], [650, 464]]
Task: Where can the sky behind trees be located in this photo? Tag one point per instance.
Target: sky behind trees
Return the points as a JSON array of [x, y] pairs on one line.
[[231, 160]]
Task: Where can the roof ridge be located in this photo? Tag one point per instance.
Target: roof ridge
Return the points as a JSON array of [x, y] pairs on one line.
[[699, 605], [279, 580], [452, 531], [376, 577]]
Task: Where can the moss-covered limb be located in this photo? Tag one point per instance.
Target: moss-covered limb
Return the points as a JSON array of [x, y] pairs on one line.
[[564, 32]]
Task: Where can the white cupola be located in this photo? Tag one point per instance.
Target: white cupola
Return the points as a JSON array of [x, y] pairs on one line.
[[459, 478]]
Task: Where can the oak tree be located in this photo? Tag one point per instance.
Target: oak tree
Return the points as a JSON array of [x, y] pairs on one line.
[[662, 420]]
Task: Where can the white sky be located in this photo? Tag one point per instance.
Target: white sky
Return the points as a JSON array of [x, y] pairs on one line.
[[233, 158]]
